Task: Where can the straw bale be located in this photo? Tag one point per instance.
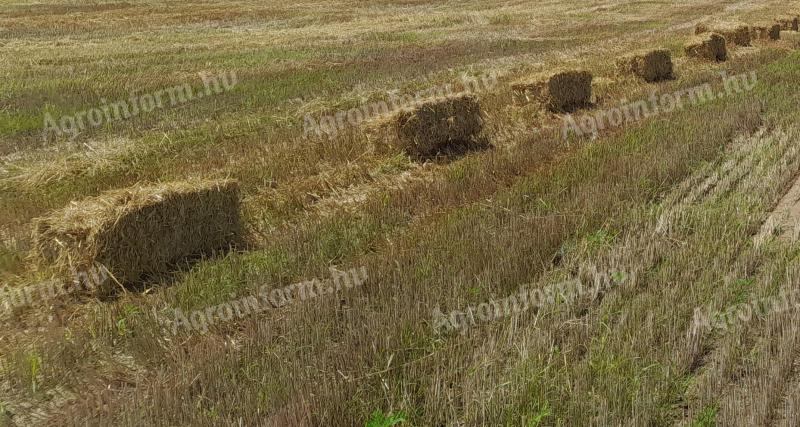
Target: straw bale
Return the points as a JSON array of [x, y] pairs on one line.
[[789, 24], [707, 46], [652, 66], [432, 126], [561, 92], [141, 230], [734, 32], [774, 32]]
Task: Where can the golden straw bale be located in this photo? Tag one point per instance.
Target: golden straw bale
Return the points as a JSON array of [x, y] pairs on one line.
[[767, 32], [652, 66], [775, 32], [570, 90], [431, 127], [561, 92], [710, 47], [759, 32], [141, 230], [788, 24], [734, 32]]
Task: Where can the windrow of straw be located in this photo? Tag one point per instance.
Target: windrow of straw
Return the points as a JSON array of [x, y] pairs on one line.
[[432, 127], [707, 46], [141, 230], [652, 66]]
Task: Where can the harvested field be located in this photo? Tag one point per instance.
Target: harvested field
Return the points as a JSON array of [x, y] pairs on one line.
[[624, 255]]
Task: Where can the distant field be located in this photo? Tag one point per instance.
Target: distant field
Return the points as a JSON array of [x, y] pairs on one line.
[[677, 211]]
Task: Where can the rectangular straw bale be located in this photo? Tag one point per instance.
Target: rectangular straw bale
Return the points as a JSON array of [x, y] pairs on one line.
[[759, 32], [707, 46], [767, 32], [561, 91], [734, 32], [652, 66], [569, 90], [774, 32], [789, 24], [432, 126], [141, 230]]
